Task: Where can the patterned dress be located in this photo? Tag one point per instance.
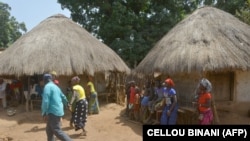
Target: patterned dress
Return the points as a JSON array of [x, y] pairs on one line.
[[81, 107]]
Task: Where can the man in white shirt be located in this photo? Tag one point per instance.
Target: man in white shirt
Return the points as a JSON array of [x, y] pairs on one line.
[[3, 93]]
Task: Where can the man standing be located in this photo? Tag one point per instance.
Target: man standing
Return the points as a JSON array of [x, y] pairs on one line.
[[3, 93], [53, 109]]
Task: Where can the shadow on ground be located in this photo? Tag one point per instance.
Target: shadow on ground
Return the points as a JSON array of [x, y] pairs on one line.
[[121, 118]]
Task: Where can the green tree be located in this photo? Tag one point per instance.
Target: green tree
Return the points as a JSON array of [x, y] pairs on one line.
[[244, 13], [10, 29], [132, 27]]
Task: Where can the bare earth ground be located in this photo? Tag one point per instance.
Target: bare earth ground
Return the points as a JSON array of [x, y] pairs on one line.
[[109, 125]]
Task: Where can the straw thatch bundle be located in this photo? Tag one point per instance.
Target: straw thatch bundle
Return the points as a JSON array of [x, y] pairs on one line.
[[59, 44], [207, 40]]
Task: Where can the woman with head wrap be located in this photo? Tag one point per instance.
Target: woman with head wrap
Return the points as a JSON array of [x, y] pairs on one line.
[[81, 105], [93, 98], [170, 106], [204, 102]]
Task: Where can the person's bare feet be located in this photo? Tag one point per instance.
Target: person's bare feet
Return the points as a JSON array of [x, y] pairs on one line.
[[84, 133]]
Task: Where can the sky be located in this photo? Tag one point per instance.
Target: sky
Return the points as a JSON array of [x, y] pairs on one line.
[[32, 12]]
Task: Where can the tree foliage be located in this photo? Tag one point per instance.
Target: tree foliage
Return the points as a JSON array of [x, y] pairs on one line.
[[244, 12], [10, 29], [132, 27]]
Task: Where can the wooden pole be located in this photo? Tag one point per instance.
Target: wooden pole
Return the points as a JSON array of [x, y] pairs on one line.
[[28, 95], [214, 109]]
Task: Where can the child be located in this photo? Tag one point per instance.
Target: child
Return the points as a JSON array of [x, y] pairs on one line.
[[137, 104], [144, 112]]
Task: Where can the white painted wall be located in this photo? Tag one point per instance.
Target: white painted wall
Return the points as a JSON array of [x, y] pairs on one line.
[[242, 86]]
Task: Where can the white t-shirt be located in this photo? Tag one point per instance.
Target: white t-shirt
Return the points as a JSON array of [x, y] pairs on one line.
[[33, 90]]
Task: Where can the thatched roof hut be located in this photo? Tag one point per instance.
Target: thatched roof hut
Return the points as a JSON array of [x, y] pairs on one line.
[[207, 40], [208, 43], [59, 44]]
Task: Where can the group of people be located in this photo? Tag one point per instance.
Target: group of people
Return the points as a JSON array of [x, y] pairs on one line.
[[154, 96], [157, 96], [79, 103], [10, 92], [54, 101], [13, 92]]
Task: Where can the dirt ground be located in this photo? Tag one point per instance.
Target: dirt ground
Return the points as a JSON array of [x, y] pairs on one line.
[[109, 125]]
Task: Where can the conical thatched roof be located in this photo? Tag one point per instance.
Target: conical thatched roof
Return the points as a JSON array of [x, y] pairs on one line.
[[207, 40], [59, 44]]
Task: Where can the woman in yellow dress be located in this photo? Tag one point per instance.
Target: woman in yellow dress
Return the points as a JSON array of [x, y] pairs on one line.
[[80, 111], [93, 98]]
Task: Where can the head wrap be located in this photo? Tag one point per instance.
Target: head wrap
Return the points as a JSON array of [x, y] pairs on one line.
[[206, 84], [132, 82], [53, 73], [75, 79], [47, 77], [170, 82]]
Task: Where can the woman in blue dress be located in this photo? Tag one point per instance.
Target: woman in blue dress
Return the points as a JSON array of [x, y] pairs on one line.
[[170, 105]]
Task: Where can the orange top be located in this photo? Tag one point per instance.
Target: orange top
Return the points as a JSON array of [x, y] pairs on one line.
[[202, 100]]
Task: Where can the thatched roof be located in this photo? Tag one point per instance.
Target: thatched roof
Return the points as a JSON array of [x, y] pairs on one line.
[[59, 44], [207, 40]]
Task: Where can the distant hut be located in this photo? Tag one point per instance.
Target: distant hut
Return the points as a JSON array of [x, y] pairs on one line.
[[208, 43], [61, 45]]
